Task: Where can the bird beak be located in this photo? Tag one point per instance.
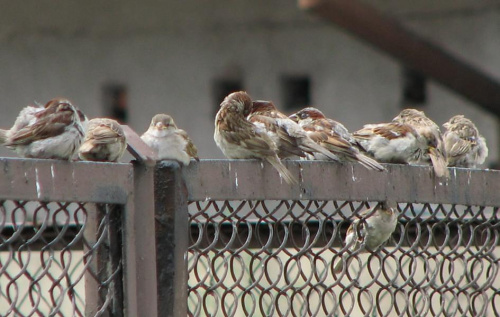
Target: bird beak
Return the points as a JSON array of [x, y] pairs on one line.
[[294, 117], [160, 126]]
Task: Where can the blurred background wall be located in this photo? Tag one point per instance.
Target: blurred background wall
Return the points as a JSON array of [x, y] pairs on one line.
[[133, 59]]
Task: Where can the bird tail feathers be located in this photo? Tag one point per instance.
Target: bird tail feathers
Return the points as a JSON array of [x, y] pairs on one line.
[[439, 163], [284, 172], [340, 264], [313, 147], [3, 136], [369, 163]]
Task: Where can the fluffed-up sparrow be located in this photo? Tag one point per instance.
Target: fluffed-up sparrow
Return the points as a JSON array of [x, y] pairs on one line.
[[240, 139], [465, 147], [434, 153], [368, 233], [54, 132], [289, 136], [27, 117], [168, 141], [391, 142], [104, 141], [333, 136]]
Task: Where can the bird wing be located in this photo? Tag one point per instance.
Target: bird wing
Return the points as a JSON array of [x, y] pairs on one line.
[[365, 133], [190, 149], [49, 125], [250, 139], [105, 133], [459, 147], [332, 143], [393, 130], [287, 142]]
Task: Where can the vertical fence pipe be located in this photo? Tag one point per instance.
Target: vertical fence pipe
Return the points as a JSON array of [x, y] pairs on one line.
[[171, 239], [139, 268]]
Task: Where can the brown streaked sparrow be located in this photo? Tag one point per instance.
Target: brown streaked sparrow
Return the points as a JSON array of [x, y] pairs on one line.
[[27, 117], [434, 152], [289, 136], [55, 132], [104, 141], [240, 139], [168, 141], [391, 142], [369, 232], [465, 147], [333, 136]]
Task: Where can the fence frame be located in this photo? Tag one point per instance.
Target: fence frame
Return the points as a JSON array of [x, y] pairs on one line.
[[155, 264], [103, 183]]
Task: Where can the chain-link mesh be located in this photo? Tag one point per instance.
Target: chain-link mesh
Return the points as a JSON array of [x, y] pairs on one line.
[[276, 258], [56, 257]]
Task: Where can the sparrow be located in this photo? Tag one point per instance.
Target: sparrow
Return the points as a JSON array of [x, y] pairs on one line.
[[369, 232], [333, 136], [465, 147], [288, 135], [434, 151], [27, 117], [104, 141], [168, 141], [391, 142], [238, 138], [54, 132]]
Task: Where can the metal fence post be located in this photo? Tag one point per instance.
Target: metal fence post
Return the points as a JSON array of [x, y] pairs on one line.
[[139, 246], [171, 239]]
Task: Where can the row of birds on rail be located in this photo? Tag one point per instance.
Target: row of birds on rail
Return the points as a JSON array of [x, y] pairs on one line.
[[249, 129], [253, 129]]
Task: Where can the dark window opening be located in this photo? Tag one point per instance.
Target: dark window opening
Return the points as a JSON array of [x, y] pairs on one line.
[[296, 92], [222, 88], [116, 102], [414, 88]]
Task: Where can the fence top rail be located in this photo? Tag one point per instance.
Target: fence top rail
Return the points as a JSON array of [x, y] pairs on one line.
[[322, 180], [55, 180]]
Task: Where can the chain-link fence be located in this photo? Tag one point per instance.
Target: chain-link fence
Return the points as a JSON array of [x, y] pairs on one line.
[[61, 236], [52, 252], [277, 257]]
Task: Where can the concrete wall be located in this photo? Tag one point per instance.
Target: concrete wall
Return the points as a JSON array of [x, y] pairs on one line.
[[168, 53]]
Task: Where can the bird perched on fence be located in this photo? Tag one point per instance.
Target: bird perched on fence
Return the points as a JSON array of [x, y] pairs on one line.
[[27, 117], [369, 232], [104, 141], [391, 142], [168, 141], [54, 131], [238, 138], [333, 136], [465, 147], [288, 135], [434, 152]]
